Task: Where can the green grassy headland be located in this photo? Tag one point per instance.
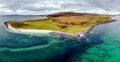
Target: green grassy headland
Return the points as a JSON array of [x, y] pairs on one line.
[[69, 23]]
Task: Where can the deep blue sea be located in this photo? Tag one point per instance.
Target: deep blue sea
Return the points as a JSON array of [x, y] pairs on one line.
[[101, 45]]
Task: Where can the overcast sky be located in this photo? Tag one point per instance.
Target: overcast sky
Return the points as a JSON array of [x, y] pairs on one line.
[[39, 7]]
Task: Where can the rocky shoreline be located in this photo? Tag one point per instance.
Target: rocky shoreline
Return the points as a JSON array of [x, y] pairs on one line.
[[61, 34]]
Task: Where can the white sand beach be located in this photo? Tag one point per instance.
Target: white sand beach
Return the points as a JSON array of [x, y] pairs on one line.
[[29, 30], [67, 35]]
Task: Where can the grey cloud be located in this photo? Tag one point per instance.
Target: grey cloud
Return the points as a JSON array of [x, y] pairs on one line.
[[49, 6]]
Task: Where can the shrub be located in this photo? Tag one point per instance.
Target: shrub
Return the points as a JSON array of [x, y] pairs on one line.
[[17, 24]]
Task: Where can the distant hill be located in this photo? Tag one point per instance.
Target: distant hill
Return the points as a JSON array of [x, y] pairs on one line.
[[69, 14]]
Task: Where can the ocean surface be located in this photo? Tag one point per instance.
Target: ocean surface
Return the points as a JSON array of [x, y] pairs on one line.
[[101, 45]]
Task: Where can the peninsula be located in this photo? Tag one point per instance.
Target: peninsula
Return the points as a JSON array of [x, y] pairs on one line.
[[67, 24]]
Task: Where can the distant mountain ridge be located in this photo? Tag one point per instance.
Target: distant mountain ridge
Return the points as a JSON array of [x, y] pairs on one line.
[[70, 14]]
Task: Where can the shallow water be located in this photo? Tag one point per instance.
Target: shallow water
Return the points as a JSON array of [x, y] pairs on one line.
[[109, 48], [102, 45]]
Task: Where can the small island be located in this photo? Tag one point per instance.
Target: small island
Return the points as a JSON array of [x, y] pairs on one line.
[[66, 24]]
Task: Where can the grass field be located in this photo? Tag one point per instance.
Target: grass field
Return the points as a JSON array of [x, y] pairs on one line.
[[69, 24]]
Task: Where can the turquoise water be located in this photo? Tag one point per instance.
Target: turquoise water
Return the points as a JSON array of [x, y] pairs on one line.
[[102, 45], [109, 48]]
